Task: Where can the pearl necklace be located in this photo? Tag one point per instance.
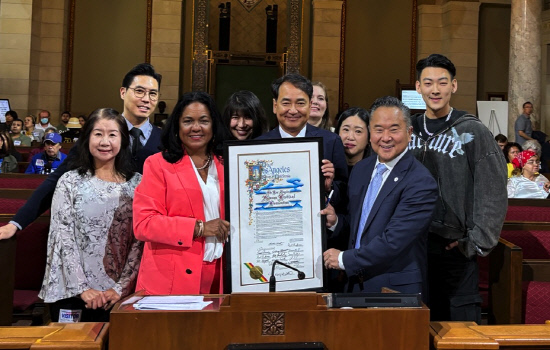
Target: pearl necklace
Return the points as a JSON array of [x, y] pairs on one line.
[[446, 119], [205, 163]]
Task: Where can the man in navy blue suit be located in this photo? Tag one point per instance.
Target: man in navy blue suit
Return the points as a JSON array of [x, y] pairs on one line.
[[292, 104], [391, 201]]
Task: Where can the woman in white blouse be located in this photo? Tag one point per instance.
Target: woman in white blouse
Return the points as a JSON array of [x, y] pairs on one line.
[[526, 182], [93, 257], [179, 205]]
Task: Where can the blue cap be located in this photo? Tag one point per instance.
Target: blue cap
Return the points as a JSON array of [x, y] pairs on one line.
[[53, 137]]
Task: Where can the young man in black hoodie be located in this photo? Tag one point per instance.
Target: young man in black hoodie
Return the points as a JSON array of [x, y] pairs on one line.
[[470, 170]]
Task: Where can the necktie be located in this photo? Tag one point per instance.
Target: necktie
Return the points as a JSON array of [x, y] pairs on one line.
[[372, 192], [136, 142]]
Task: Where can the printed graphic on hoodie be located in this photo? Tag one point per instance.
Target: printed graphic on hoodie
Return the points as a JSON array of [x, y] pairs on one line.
[[444, 143]]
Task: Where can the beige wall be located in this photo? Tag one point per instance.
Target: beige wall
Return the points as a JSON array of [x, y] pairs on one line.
[[32, 35], [15, 52], [109, 39], [451, 29], [377, 49]]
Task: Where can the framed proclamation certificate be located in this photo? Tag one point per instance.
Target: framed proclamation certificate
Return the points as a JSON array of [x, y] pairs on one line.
[[274, 191]]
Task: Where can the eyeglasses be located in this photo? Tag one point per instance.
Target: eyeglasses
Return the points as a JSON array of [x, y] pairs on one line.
[[531, 162], [140, 93]]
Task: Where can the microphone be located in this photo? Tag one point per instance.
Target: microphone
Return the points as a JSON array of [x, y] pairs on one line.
[[273, 280]]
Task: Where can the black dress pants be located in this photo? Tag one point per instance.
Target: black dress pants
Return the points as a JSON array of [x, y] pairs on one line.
[[453, 283]]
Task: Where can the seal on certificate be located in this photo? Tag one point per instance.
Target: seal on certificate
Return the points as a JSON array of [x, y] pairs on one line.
[[256, 272]]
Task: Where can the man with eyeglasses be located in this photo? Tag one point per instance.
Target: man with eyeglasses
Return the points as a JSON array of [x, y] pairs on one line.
[[140, 93]]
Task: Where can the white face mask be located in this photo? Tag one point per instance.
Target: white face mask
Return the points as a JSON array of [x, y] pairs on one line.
[[44, 120]]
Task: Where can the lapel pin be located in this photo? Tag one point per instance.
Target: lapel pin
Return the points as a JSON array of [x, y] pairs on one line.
[[395, 180]]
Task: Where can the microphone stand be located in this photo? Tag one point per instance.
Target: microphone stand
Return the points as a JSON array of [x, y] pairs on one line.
[[273, 280]]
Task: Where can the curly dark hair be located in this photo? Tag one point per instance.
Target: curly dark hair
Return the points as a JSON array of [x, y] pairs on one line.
[[171, 145], [506, 149]]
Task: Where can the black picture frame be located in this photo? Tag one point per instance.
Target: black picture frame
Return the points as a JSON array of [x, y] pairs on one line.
[[292, 151]]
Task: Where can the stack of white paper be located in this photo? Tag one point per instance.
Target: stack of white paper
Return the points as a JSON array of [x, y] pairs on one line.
[[172, 302]]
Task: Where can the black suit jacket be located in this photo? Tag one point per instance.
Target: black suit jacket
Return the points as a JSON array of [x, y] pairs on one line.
[[333, 149]]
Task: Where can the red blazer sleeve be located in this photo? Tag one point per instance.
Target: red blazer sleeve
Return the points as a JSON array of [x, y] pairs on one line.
[[159, 215]]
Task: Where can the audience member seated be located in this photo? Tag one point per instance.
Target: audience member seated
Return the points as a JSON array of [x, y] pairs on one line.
[[31, 131], [353, 130], [534, 146], [19, 138], [511, 150], [73, 132], [44, 120], [501, 140], [525, 183], [40, 148], [93, 203], [62, 127], [184, 243], [82, 119], [8, 163], [47, 161], [244, 116], [319, 115], [10, 117]]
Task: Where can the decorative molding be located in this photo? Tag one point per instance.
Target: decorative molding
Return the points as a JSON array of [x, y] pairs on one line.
[[413, 42], [342, 57], [273, 323], [148, 31], [249, 4], [294, 48], [70, 51], [200, 54]]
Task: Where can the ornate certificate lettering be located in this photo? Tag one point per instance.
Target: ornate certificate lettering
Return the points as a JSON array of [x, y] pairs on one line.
[[273, 200]]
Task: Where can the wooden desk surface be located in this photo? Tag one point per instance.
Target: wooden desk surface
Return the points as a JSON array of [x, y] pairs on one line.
[[469, 335], [84, 335], [269, 318]]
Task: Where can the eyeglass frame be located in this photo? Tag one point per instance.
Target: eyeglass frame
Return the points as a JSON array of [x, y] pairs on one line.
[[146, 92]]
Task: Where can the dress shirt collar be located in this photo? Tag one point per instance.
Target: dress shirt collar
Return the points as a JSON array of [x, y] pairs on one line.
[[286, 135], [146, 128], [391, 164]]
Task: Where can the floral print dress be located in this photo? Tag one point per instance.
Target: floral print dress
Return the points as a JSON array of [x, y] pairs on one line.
[[91, 242]]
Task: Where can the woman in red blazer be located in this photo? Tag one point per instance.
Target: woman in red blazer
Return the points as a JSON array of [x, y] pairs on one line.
[[179, 204]]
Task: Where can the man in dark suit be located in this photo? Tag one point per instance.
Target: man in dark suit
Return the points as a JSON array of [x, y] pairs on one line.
[[140, 92], [391, 200], [292, 104]]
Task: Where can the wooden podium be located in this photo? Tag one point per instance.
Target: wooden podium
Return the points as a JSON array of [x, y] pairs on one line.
[[252, 318]]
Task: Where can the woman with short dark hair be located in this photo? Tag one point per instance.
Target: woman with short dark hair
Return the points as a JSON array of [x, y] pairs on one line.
[[353, 128], [244, 116]]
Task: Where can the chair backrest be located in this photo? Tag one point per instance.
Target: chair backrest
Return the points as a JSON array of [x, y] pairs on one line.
[[30, 255], [534, 243], [536, 302], [20, 181], [534, 210]]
